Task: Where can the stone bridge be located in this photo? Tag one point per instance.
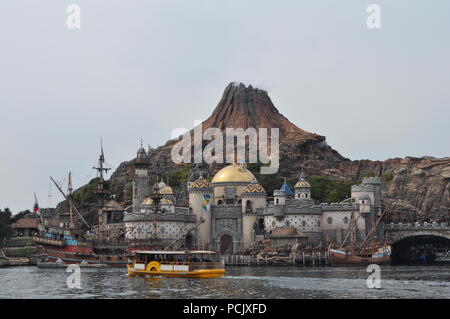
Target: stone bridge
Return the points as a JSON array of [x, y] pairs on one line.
[[418, 241], [398, 232]]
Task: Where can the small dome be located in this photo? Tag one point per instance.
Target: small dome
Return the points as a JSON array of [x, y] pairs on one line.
[[254, 188], [286, 189], [141, 153], [302, 182], [200, 183], [164, 201], [166, 190], [234, 174], [162, 184], [113, 205]]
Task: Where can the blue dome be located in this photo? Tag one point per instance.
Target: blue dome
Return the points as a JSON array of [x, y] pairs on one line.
[[286, 189]]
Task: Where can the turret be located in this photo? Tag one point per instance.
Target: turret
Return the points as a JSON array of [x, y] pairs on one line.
[[302, 189], [253, 197], [368, 196], [281, 194], [141, 180], [201, 196]]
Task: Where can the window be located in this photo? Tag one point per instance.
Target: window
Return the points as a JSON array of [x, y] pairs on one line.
[[329, 220], [345, 220], [304, 223], [276, 201], [219, 202]]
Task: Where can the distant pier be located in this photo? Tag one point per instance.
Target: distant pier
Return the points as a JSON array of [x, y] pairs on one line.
[[303, 259]]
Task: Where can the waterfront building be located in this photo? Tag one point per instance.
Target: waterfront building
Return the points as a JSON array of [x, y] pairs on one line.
[[237, 213]]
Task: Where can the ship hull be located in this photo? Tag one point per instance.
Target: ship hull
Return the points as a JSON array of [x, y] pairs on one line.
[[341, 258], [119, 261]]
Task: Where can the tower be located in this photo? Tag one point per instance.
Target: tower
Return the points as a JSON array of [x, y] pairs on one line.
[[302, 189], [253, 197], [200, 198], [141, 180], [368, 196]]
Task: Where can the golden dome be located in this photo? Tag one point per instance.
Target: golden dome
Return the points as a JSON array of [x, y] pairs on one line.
[[234, 173], [200, 183], [167, 190], [164, 201], [254, 188]]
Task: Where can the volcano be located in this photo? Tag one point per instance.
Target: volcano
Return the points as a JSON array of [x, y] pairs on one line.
[[418, 187]]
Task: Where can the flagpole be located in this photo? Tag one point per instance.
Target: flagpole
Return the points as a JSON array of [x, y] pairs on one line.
[[36, 208]]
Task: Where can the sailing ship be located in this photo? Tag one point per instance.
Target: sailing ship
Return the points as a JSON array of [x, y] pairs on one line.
[[73, 240], [365, 254]]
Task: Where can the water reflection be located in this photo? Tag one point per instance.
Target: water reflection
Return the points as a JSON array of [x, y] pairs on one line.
[[262, 282]]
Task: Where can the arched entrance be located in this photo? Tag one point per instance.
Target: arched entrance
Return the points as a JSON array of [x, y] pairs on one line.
[[419, 248], [226, 245]]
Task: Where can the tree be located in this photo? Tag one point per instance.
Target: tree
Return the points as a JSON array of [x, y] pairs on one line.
[[5, 225]]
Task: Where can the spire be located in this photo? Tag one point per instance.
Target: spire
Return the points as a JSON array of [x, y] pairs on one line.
[[302, 175], [286, 189]]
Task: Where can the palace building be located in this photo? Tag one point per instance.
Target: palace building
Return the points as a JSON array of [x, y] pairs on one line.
[[237, 212]]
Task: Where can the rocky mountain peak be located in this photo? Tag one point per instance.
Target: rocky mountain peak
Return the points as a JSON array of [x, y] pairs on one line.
[[244, 106]]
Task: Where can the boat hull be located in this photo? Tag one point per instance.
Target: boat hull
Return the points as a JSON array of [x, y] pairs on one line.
[[201, 273], [71, 258]]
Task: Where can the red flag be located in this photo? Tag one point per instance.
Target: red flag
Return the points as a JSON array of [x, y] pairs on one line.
[[36, 205]]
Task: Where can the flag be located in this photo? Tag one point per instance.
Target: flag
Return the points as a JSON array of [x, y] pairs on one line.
[[206, 202], [36, 205]]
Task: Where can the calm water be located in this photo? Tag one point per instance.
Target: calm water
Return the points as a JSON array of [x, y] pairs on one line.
[[263, 282]]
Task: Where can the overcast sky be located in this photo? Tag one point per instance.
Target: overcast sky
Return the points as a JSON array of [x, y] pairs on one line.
[[138, 69]]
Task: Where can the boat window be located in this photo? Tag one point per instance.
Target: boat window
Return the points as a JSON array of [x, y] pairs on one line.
[[180, 258], [169, 258]]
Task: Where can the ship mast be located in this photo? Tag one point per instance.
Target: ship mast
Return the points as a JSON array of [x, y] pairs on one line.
[[371, 231], [156, 197], [69, 195], [350, 232], [100, 191], [71, 202]]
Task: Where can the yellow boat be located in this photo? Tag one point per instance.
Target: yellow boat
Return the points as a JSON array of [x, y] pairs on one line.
[[197, 264]]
